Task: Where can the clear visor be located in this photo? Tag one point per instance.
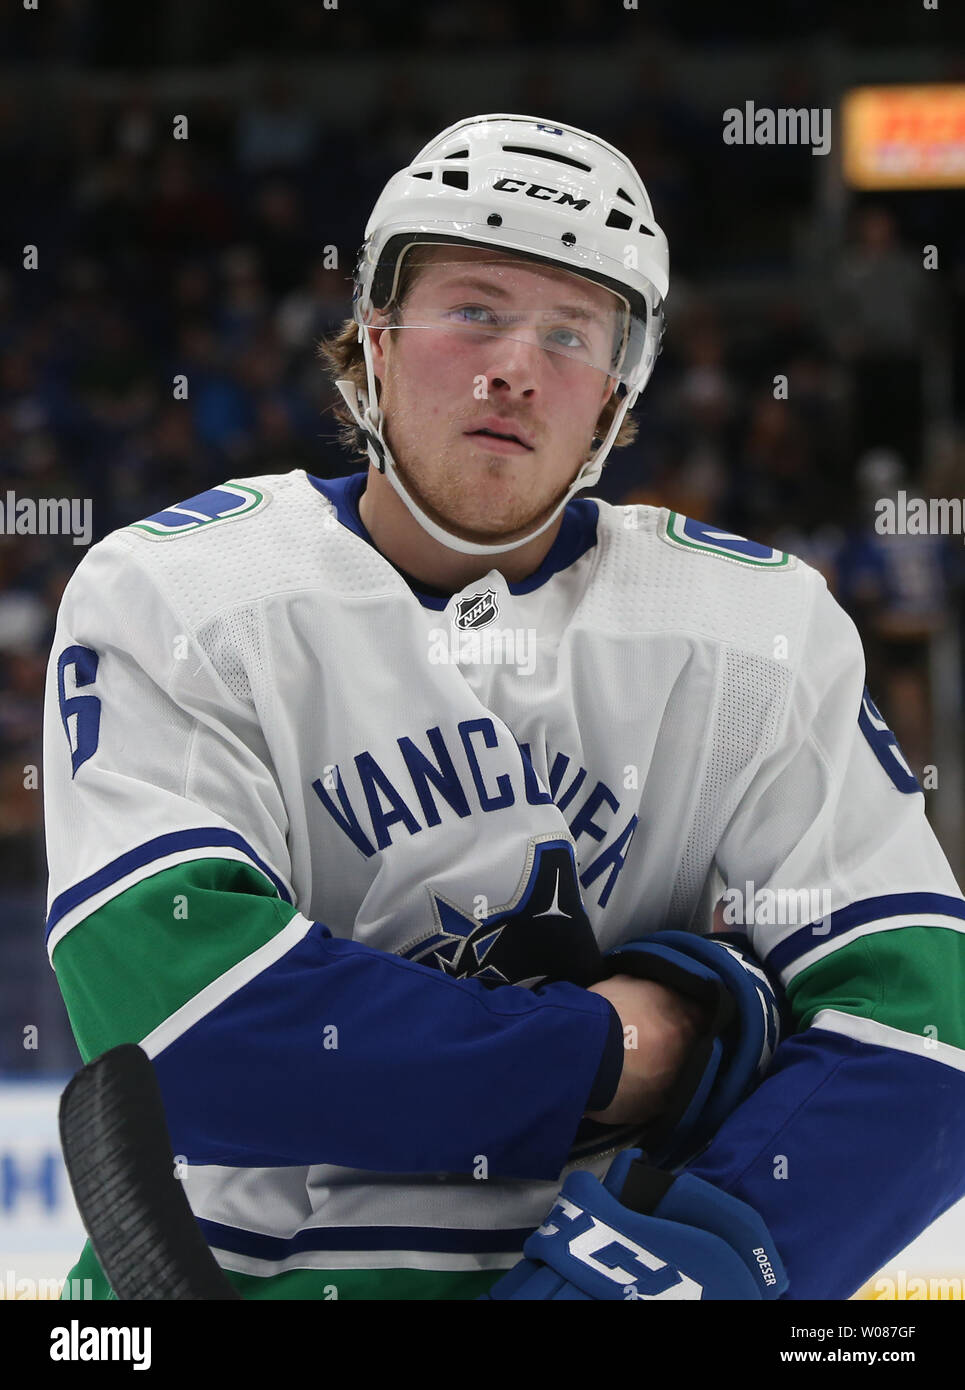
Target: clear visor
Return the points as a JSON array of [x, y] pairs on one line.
[[477, 306]]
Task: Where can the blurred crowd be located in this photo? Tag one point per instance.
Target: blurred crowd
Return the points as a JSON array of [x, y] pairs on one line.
[[112, 32], [223, 258]]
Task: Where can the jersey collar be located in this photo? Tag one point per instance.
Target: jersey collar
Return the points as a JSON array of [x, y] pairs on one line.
[[577, 534]]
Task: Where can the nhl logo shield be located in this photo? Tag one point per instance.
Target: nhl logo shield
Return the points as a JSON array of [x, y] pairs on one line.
[[478, 610]]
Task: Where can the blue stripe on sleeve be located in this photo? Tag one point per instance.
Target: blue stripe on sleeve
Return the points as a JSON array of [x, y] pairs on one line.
[[857, 914], [213, 837], [427, 1238]]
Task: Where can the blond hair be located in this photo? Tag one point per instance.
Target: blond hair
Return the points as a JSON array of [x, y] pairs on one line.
[[342, 358]]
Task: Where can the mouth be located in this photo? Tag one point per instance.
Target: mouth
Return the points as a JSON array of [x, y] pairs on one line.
[[493, 436]]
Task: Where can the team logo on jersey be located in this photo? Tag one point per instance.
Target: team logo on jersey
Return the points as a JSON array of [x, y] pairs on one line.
[[223, 503], [699, 535], [478, 610], [544, 934]]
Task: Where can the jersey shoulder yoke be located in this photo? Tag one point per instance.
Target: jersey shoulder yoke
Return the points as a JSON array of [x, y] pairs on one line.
[[248, 539], [661, 572]]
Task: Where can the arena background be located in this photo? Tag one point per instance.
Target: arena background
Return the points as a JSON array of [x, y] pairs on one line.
[[225, 254]]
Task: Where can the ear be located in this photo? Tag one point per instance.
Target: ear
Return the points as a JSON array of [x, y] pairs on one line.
[[377, 341], [608, 390]]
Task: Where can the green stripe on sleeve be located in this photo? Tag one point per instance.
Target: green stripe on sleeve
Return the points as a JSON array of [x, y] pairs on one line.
[[327, 1284], [133, 962], [911, 978]]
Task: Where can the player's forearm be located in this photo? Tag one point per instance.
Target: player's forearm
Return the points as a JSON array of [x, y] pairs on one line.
[[853, 1143], [847, 1150], [303, 1049], [345, 1055]]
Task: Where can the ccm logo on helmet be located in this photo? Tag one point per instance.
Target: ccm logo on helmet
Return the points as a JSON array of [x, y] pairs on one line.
[[541, 191]]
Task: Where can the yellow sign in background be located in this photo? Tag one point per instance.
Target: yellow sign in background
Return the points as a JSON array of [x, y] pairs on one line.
[[904, 137]]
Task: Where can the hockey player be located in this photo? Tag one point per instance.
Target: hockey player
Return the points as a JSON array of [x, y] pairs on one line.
[[390, 815]]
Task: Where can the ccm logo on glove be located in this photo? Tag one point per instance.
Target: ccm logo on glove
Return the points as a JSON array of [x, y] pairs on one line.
[[602, 1240], [644, 1234]]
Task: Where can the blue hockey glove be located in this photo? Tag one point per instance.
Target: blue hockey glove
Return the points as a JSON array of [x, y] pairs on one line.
[[645, 1234], [732, 1054]]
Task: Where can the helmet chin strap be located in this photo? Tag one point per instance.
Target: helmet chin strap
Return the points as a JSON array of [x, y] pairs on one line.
[[370, 420]]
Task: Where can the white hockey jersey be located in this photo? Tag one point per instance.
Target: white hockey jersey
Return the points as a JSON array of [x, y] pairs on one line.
[[307, 823]]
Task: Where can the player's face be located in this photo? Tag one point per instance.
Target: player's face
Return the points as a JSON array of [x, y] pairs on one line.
[[489, 343]]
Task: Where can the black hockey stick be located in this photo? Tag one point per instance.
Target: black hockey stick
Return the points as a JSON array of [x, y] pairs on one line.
[[121, 1168]]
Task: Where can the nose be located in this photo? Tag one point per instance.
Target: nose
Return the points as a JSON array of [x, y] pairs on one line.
[[515, 364]]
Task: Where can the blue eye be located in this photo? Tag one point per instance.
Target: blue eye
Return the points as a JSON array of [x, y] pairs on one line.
[[575, 341], [478, 315], [465, 312]]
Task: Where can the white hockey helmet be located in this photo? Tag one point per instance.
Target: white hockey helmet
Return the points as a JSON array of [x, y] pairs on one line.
[[547, 193]]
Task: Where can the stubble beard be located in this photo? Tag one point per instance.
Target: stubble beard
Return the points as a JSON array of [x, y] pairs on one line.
[[442, 494]]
